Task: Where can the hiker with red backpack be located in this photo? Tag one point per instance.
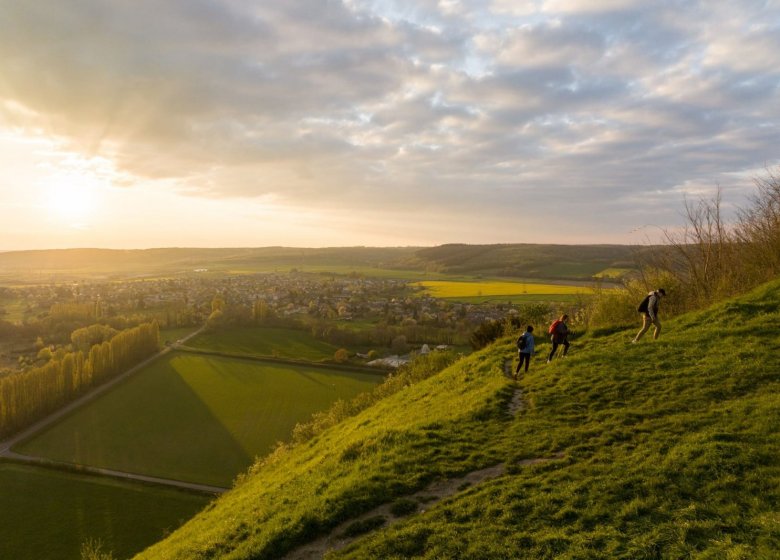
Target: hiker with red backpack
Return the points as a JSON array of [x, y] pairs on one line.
[[649, 310], [559, 333]]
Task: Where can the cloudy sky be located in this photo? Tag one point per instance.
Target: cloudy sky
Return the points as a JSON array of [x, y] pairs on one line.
[[140, 123]]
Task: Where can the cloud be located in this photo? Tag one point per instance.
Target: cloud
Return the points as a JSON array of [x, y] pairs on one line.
[[359, 105]]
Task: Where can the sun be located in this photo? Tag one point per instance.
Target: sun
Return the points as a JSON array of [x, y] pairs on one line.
[[71, 198]]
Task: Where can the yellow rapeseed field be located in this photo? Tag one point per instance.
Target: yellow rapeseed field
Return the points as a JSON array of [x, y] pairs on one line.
[[446, 289]]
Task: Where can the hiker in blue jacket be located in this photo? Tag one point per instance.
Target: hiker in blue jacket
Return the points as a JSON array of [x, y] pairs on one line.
[[525, 349], [649, 310]]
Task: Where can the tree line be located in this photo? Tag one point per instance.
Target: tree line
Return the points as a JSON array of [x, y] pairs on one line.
[[30, 395]]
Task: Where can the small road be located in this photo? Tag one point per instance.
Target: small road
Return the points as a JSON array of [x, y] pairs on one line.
[[286, 361], [5, 446], [37, 461]]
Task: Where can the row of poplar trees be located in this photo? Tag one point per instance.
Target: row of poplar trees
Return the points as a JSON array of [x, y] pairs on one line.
[[30, 395]]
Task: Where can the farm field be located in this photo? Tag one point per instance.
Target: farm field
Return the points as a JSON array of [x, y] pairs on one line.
[[195, 418], [265, 341], [521, 298], [13, 310], [481, 291], [613, 273], [48, 513]]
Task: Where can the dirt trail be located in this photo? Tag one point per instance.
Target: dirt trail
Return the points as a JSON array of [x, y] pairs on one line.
[[427, 498], [430, 496], [517, 404]]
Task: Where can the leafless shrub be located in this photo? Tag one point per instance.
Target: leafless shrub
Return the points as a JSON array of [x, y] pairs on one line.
[[758, 230], [701, 257]]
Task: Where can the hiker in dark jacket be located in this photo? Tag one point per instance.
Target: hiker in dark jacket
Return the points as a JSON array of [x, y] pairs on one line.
[[649, 310], [525, 349], [559, 333]]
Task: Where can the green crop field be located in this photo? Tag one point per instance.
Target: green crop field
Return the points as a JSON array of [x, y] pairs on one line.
[[613, 273], [195, 418], [48, 514], [285, 343], [495, 290]]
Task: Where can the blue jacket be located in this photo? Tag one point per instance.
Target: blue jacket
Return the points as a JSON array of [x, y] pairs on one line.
[[529, 343]]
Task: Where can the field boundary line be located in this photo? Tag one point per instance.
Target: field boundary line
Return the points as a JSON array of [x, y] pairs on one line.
[[288, 361], [99, 471]]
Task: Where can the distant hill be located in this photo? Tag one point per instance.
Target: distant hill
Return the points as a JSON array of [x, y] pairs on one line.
[[515, 260], [528, 260], [176, 260], [661, 449]]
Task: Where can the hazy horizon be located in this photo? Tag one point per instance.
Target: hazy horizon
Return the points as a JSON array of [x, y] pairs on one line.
[[378, 123], [248, 247]]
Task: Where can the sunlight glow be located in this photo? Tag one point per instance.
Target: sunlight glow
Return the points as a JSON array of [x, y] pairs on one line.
[[72, 197]]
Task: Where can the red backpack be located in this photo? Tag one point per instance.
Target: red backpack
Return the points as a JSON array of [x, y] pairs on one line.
[[554, 326]]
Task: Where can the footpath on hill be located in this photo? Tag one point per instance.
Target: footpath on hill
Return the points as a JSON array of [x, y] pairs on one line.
[[387, 515]]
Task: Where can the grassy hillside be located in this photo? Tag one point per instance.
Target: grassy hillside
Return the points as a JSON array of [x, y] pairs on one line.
[[663, 449]]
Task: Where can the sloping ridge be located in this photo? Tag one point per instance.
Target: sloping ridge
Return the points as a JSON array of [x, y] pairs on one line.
[[666, 448]]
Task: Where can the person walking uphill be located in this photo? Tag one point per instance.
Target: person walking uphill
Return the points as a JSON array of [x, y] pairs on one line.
[[649, 310], [525, 349], [559, 334]]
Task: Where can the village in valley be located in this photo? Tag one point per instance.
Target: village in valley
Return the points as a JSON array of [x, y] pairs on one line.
[[391, 316]]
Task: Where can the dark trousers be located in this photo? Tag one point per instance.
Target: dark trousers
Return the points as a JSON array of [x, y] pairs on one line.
[[524, 357], [555, 347]]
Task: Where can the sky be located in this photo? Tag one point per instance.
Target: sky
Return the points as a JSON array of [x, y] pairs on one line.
[[313, 123]]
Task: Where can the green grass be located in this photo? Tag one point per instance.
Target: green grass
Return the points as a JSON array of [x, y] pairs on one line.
[[668, 449], [195, 418], [284, 343], [49, 514]]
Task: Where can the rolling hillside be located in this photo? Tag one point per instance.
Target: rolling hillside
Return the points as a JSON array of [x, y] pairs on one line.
[[663, 449], [528, 260], [509, 260]]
